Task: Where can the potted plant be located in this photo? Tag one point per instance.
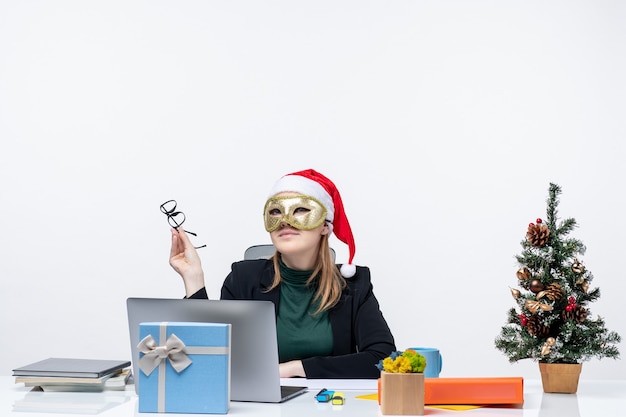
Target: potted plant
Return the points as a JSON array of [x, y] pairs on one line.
[[402, 383], [552, 323]]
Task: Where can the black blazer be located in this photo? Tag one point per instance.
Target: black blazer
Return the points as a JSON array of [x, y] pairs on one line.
[[361, 335]]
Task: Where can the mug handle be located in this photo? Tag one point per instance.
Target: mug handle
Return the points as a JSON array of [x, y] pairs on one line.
[[440, 361]]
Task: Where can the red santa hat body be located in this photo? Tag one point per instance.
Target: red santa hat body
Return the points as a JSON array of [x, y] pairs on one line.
[[312, 183]]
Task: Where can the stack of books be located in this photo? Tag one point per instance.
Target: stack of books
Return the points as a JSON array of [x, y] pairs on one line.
[[69, 374]]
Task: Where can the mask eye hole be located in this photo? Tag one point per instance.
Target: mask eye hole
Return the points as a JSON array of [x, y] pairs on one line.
[[301, 211], [275, 212]]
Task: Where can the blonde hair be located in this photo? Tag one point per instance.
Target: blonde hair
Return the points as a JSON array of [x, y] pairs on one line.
[[330, 283]]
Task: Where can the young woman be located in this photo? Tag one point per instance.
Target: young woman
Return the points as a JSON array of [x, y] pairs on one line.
[[328, 320]]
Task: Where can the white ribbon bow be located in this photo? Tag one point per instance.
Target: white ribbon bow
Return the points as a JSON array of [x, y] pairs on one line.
[[174, 350]]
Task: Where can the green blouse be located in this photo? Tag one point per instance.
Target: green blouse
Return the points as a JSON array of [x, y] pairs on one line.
[[301, 332]]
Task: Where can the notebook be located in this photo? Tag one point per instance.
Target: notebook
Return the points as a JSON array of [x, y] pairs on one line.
[[71, 367], [254, 347]]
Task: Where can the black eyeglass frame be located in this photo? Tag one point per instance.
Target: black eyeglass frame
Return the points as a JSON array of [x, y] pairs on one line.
[[171, 214]]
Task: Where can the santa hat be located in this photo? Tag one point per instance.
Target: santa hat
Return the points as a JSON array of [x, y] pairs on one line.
[[314, 184]]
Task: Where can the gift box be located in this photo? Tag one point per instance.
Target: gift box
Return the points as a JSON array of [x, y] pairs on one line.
[[184, 367]]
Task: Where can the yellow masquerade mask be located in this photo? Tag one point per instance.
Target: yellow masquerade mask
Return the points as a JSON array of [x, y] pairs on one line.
[[300, 211]]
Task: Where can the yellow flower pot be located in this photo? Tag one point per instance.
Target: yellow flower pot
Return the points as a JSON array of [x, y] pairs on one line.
[[402, 393]]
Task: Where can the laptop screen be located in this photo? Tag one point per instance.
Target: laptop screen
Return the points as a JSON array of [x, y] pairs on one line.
[[254, 350]]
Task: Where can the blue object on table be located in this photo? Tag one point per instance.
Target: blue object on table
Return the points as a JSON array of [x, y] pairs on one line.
[[192, 378], [324, 395], [434, 360]]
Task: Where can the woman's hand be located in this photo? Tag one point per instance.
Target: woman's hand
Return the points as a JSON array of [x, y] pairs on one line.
[[185, 260], [291, 369]]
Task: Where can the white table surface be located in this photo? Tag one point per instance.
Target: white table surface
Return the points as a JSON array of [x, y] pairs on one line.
[[594, 399]]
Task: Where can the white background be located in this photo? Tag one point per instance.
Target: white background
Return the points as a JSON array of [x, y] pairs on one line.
[[442, 123]]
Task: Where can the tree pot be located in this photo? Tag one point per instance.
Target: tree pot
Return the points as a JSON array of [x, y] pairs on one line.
[[560, 377], [402, 393]]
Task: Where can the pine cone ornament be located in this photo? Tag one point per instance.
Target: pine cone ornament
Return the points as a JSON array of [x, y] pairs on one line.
[[579, 314], [535, 327], [552, 292], [537, 234]]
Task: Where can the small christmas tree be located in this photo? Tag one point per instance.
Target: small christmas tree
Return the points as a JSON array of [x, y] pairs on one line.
[[553, 323]]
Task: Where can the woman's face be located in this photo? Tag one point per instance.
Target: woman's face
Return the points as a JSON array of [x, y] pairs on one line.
[[296, 224]]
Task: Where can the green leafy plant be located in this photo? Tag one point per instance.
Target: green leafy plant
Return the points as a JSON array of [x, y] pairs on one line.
[[408, 361], [552, 322]]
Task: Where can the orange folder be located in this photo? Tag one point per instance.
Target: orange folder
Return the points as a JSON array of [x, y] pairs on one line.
[[472, 391]]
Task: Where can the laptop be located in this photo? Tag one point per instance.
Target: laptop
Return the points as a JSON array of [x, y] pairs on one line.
[[254, 347]]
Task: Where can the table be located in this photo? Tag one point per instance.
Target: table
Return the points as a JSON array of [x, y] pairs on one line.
[[594, 399]]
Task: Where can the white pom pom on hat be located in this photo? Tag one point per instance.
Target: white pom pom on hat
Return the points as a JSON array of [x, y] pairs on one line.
[[312, 183]]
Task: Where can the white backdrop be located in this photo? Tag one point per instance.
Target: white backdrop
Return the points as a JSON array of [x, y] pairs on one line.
[[442, 123]]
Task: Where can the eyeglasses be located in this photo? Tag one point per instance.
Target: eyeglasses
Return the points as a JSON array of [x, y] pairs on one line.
[[176, 218]]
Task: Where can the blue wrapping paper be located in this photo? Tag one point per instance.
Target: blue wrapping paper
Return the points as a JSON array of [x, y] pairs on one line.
[[203, 386]]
